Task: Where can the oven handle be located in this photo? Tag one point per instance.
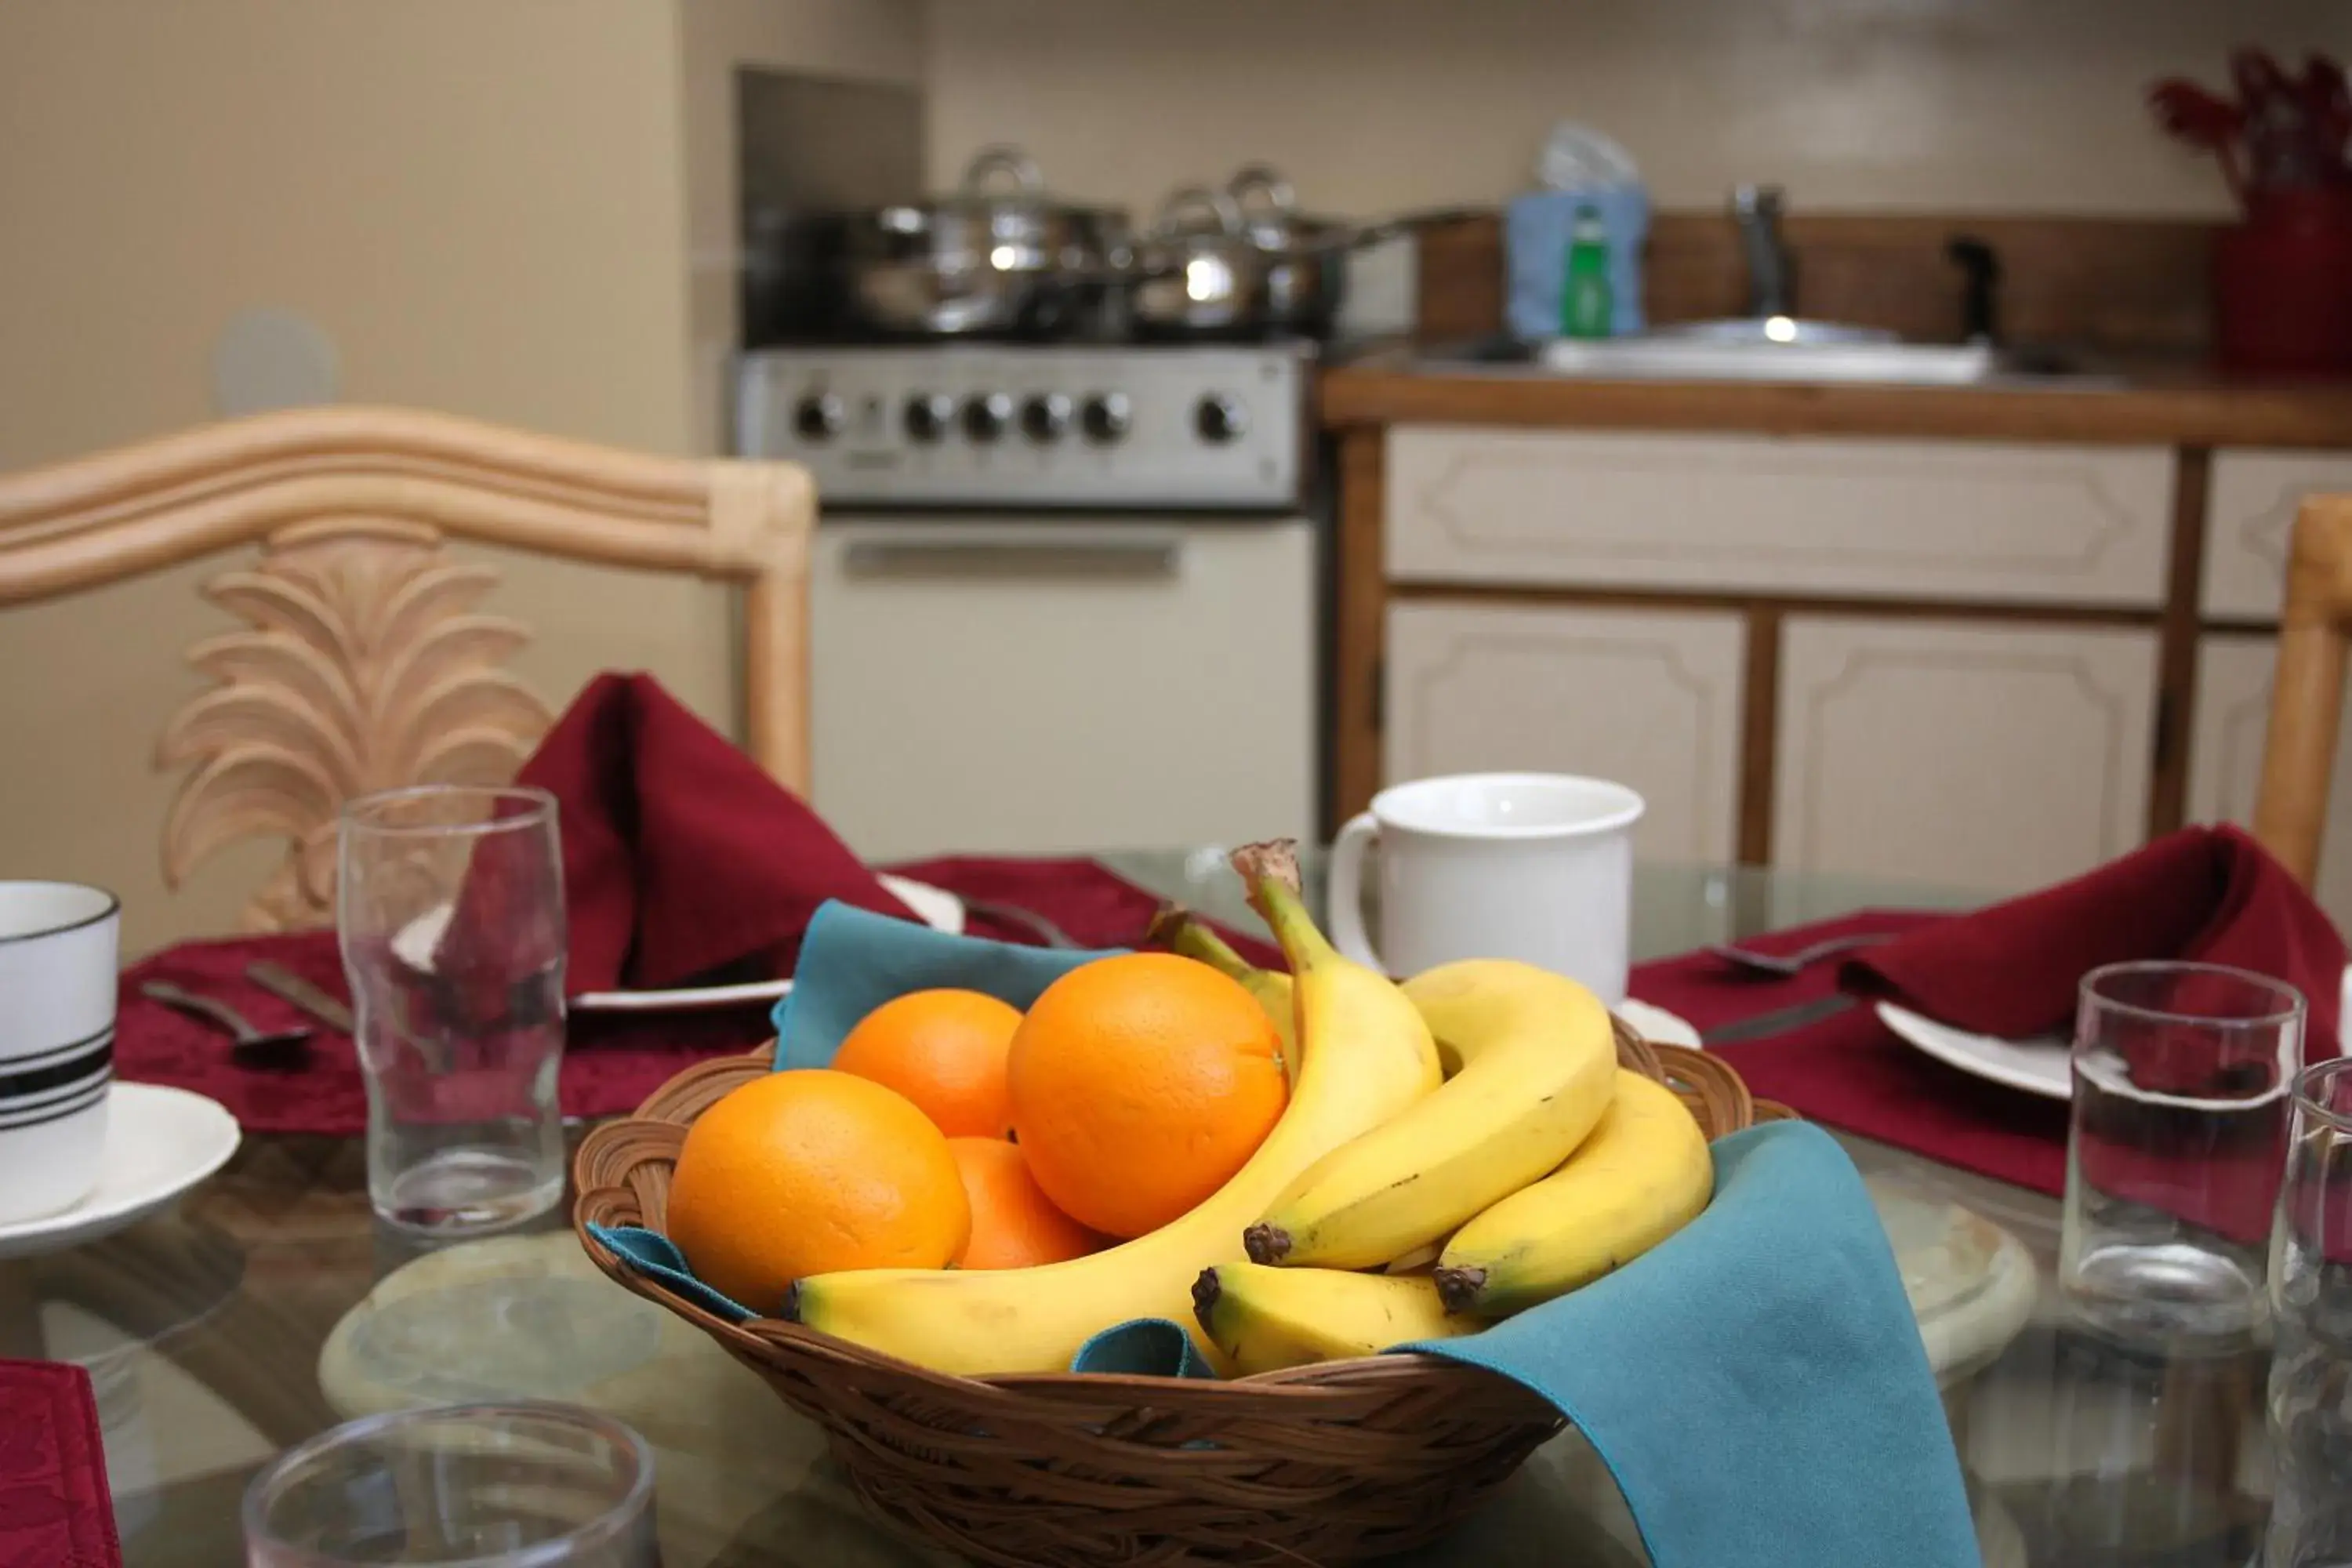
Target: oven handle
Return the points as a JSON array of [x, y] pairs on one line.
[[1117, 551]]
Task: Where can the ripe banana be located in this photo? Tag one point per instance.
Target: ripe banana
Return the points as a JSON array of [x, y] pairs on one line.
[[1643, 1175], [1183, 932], [1266, 1319], [1365, 1056], [1537, 1066]]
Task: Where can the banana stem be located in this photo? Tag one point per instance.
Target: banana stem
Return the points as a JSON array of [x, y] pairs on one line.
[[1270, 872], [1183, 932]]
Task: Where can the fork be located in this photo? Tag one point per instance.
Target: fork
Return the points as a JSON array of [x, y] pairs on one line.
[[1787, 964]]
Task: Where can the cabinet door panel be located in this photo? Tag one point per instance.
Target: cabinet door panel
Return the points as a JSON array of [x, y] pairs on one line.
[[1976, 756], [2225, 756], [2250, 515], [1648, 698]]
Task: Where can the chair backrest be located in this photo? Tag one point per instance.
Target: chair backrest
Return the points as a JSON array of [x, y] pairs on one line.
[[364, 664], [2308, 692]]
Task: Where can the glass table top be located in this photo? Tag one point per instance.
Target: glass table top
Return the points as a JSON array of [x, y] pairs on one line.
[[269, 1305]]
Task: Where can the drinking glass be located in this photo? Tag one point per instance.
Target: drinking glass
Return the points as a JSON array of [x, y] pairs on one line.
[[2310, 1404], [2183, 1078], [450, 907], [468, 1485]]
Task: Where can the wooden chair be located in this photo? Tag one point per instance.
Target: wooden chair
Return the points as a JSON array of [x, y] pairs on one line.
[[366, 666], [2307, 693]]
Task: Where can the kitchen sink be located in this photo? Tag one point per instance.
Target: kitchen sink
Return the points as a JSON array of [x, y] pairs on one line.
[[1774, 349]]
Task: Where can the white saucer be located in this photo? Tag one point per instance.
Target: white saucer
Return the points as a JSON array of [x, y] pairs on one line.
[[2042, 1065], [935, 907], [158, 1143], [1656, 1025]]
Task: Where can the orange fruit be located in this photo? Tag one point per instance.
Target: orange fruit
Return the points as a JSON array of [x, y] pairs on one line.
[[1014, 1223], [1139, 1084], [944, 1050], [808, 1172]]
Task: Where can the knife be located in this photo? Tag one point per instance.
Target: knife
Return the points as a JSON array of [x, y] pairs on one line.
[[1763, 1025], [288, 986]]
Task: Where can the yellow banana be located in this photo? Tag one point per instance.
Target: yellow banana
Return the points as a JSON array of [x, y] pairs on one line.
[[1266, 1319], [1643, 1175], [1365, 1056], [1538, 1065], [1183, 932]]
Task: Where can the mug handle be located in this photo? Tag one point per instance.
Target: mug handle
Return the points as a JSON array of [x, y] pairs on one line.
[[1346, 891]]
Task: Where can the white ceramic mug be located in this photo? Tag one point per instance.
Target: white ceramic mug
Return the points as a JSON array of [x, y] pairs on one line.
[[1535, 867], [58, 946]]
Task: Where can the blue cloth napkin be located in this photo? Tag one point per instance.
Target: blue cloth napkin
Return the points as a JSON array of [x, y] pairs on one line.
[[853, 960], [1756, 1385]]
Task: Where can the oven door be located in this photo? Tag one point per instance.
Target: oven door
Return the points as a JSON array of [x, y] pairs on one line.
[[1045, 684]]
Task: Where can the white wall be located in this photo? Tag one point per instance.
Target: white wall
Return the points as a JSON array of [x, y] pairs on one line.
[[1926, 105]]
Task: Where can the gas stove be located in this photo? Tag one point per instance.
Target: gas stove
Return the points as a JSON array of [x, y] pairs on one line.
[[1128, 426]]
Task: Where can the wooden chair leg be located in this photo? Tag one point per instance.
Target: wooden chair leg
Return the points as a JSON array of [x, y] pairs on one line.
[[2307, 693]]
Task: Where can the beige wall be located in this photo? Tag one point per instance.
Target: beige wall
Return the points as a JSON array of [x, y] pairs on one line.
[[479, 202], [1950, 105]]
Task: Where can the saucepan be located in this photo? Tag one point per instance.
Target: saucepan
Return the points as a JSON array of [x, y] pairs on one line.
[[998, 256], [1243, 261]]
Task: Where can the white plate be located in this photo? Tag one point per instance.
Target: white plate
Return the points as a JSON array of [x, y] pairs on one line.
[[159, 1143], [1656, 1024], [2038, 1066], [935, 907]]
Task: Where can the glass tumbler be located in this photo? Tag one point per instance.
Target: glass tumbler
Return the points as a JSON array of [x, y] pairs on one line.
[[468, 1485], [2310, 1398], [2183, 1078], [450, 908]]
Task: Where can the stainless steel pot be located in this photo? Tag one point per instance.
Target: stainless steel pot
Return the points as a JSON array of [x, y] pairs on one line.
[[996, 257], [1243, 261]]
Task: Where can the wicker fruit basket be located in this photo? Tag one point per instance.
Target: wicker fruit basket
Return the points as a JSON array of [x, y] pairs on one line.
[[1319, 1464]]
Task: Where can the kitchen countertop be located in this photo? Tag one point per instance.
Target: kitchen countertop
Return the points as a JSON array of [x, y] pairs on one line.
[[2147, 404]]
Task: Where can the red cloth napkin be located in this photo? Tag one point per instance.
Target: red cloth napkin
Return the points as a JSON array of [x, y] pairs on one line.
[[2208, 894], [680, 857], [54, 1508]]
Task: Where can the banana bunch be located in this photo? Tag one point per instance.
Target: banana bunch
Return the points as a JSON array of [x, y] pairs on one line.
[[1363, 1055], [1539, 1167]]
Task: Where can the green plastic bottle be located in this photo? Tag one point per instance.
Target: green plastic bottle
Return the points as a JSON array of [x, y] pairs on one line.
[[1587, 308]]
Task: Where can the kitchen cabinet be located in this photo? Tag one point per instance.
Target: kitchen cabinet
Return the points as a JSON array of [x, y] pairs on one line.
[[2225, 769], [1993, 755], [2250, 511], [1945, 521], [1651, 698]]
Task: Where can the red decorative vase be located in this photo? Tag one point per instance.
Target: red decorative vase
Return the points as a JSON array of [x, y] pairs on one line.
[[2282, 286]]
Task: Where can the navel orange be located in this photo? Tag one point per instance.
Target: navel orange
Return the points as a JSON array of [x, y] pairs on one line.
[[1139, 1083], [944, 1049], [1014, 1223], [809, 1172]]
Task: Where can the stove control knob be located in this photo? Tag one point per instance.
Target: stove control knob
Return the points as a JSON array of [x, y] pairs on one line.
[[1220, 420], [1045, 417], [820, 417], [986, 415], [1106, 417], [927, 416]]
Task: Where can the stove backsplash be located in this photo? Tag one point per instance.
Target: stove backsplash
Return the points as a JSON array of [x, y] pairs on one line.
[[809, 145]]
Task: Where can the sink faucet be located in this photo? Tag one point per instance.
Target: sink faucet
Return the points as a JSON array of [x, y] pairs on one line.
[[1771, 273]]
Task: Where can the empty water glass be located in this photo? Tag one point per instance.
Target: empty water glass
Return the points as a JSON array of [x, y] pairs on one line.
[[2183, 1076], [470, 1486], [2310, 1405], [450, 907]]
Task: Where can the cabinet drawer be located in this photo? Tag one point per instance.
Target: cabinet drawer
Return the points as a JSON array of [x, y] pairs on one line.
[[1962, 521], [2249, 516]]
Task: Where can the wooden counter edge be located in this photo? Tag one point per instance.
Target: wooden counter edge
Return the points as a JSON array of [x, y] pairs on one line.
[[1355, 396]]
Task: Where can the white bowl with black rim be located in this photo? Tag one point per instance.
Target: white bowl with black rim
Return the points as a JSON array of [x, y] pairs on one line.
[[57, 950]]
